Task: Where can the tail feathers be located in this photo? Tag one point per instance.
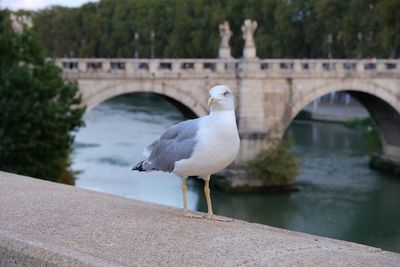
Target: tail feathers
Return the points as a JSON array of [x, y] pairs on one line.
[[139, 167]]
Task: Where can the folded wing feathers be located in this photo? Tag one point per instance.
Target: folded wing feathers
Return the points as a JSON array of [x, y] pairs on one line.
[[175, 144]]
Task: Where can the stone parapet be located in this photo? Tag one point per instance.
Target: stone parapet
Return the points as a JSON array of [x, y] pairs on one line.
[[89, 67], [48, 224]]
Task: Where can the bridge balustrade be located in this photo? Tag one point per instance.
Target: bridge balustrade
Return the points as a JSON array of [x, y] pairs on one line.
[[223, 66], [334, 66]]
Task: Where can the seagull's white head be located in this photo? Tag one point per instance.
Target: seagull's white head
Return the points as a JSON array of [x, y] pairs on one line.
[[221, 98]]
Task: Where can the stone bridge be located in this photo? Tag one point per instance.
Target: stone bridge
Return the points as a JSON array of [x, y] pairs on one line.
[[269, 92]]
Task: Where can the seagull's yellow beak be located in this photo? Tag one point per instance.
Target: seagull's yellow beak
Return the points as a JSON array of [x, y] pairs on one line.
[[212, 101]]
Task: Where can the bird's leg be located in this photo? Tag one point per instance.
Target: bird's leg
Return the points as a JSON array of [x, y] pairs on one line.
[[186, 213], [211, 215], [208, 198], [184, 188]]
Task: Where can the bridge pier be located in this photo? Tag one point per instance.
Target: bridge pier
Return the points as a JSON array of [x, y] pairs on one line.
[[387, 121], [250, 146], [252, 122], [392, 151], [388, 161]]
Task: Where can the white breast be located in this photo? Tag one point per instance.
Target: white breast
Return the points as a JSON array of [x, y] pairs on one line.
[[217, 146]]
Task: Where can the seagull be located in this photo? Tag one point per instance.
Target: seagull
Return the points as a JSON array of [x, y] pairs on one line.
[[198, 147]]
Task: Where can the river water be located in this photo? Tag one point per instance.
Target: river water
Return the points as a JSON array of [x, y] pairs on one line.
[[338, 197]]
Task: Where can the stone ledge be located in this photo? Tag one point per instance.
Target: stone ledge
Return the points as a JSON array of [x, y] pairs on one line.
[[43, 223]]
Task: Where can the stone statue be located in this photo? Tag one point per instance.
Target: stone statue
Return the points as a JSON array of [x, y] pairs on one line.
[[248, 29], [225, 33], [19, 22]]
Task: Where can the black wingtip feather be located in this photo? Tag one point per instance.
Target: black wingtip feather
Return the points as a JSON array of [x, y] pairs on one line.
[[139, 167]]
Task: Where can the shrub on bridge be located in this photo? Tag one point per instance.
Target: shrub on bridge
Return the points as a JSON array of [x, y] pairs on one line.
[[276, 165], [38, 111]]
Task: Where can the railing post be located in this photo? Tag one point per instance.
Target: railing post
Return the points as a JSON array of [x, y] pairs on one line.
[[339, 66], [129, 68], [153, 65], [297, 66], [176, 66], [82, 65], [381, 66], [135, 65], [360, 66], [319, 66], [105, 65], [220, 66], [198, 66], [275, 66]]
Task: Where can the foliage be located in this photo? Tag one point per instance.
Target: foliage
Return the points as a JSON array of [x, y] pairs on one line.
[[189, 28], [276, 165], [385, 164], [367, 126], [364, 125], [38, 110]]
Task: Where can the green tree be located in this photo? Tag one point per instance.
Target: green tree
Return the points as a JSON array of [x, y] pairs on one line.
[[38, 111], [189, 28], [388, 13]]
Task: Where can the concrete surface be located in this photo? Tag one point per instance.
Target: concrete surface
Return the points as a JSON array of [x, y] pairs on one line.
[[47, 224]]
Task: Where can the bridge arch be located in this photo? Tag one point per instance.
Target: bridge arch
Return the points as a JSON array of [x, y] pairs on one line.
[[382, 103], [192, 105]]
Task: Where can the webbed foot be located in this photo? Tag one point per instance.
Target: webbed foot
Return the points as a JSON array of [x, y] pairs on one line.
[[219, 218], [193, 215]]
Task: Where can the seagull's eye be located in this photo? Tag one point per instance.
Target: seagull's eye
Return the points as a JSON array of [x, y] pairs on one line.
[[226, 93]]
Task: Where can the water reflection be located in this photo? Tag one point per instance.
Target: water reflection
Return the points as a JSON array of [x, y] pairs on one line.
[[323, 136], [339, 195]]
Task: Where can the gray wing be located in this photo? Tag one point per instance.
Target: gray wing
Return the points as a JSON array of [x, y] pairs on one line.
[[176, 143]]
